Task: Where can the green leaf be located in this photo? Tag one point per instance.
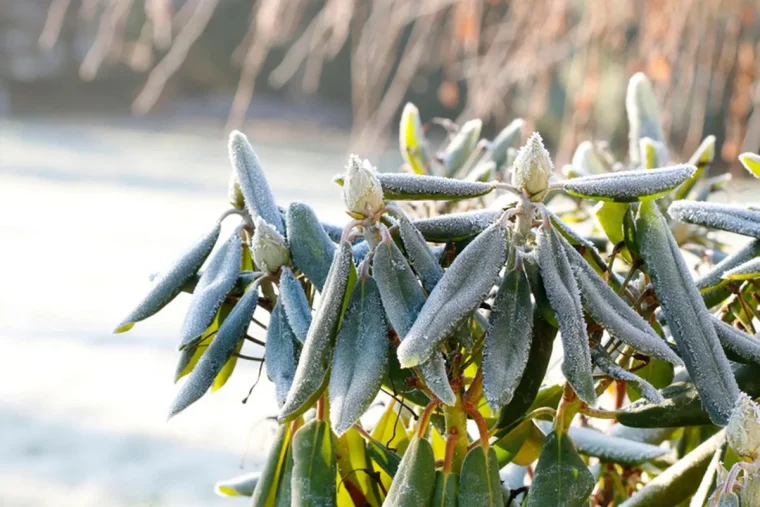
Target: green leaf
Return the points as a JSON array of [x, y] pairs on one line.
[[508, 339], [714, 278], [738, 345], [230, 333], [686, 315], [282, 352], [461, 147], [702, 159], [412, 141], [414, 482], [295, 304], [311, 249], [238, 486], [418, 251], [561, 478], [463, 287], [285, 486], [360, 359], [479, 479], [718, 216], [446, 490], [708, 482], [253, 184], [629, 186], [643, 114], [171, 282], [747, 271], [678, 482], [386, 459], [215, 283], [751, 163], [641, 386], [657, 372], [313, 369], [564, 297], [189, 357], [610, 216], [266, 488], [456, 226], [509, 137], [313, 483], [355, 467], [404, 187], [588, 160]]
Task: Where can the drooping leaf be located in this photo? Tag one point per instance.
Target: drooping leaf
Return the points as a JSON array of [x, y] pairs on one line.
[[422, 259], [614, 314], [295, 304], [561, 477], [686, 315], [718, 216], [414, 482], [315, 466], [360, 251], [714, 278], [171, 282], [564, 297], [751, 163], [629, 186], [360, 359], [657, 372], [456, 226], [189, 357], [285, 486], [738, 345], [238, 486], [230, 333], [643, 114], [311, 249], [215, 283], [461, 147], [253, 184], [402, 187], [282, 351], [608, 366], [679, 481], [463, 287], [479, 482], [508, 339], [266, 489], [746, 271], [412, 141], [313, 368]]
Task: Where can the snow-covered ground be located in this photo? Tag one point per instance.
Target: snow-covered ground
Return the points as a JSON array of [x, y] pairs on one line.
[[87, 212]]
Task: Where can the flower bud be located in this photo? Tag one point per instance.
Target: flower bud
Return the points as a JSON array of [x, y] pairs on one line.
[[362, 191], [269, 248], [743, 430], [533, 167]]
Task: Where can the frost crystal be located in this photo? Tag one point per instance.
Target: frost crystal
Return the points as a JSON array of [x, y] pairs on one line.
[[362, 192], [310, 247], [746, 271], [608, 366], [401, 186], [718, 216], [533, 168], [426, 266], [281, 355], [629, 186], [715, 276], [456, 226], [295, 304], [269, 248], [737, 342]]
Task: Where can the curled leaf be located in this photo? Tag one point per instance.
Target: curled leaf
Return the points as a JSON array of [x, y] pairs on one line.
[[456, 226], [738, 345], [360, 359], [629, 186], [215, 283], [313, 368], [311, 249], [718, 216], [746, 271], [253, 184], [508, 339], [714, 278], [171, 282], [295, 304], [463, 287], [399, 186], [282, 351], [422, 259], [564, 297], [608, 366]]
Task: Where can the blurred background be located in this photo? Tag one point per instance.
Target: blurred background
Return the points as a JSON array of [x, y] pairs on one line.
[[113, 123]]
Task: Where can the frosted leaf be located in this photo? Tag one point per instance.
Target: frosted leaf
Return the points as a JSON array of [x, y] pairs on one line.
[[509, 137], [314, 364], [433, 372], [561, 477], [508, 339], [686, 314], [315, 467], [564, 298], [629, 186], [268, 247], [295, 304], [412, 142], [714, 277], [232, 330], [281, 355], [311, 249], [612, 312], [737, 343], [414, 482], [701, 159], [743, 431], [215, 283], [462, 289], [533, 168], [483, 171], [479, 483], [641, 386], [456, 226], [334, 232], [399, 186], [234, 194], [461, 147], [746, 271], [361, 357], [242, 485], [253, 184], [653, 153], [426, 266], [643, 114], [171, 282], [360, 251], [718, 216], [587, 160], [751, 162], [654, 436]]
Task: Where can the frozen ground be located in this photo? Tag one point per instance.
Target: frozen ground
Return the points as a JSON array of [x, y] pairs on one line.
[[86, 213]]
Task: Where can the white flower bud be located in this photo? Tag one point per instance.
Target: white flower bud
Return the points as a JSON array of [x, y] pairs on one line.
[[269, 248], [743, 430], [362, 191], [533, 167]]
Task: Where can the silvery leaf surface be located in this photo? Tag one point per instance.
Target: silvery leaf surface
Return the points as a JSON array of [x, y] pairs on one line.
[[725, 217], [311, 249], [295, 304], [629, 186]]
